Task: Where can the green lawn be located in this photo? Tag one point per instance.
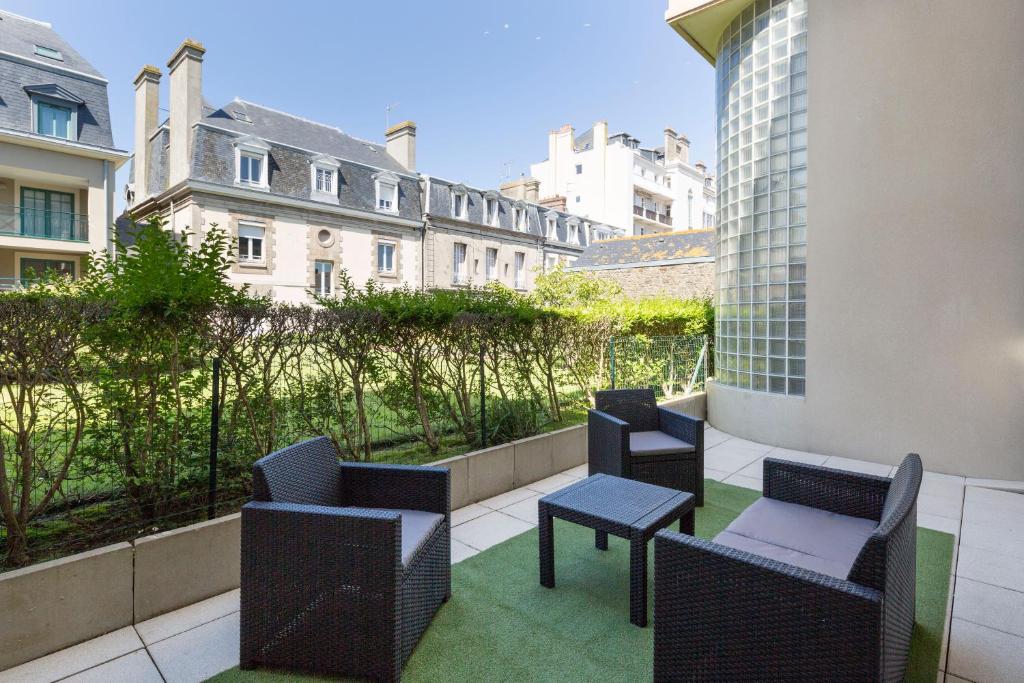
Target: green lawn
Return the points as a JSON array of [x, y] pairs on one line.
[[501, 625]]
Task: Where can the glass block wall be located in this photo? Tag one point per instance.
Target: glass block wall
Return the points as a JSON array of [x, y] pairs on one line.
[[760, 302]]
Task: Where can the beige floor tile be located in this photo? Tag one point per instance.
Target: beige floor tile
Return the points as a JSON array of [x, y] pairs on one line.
[[951, 507], [995, 538], [729, 459], [989, 504], [525, 510], [76, 658], [579, 472], [713, 437], [737, 442], [992, 606], [862, 466], [990, 567], [461, 551], [552, 483], [134, 668], [744, 481], [950, 678], [979, 653], [942, 485], [717, 475], [996, 484], [181, 620], [489, 530], [471, 511], [196, 655], [508, 498]]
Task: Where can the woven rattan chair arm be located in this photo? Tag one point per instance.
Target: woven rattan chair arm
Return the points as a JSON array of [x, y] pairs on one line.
[[409, 487], [681, 426]]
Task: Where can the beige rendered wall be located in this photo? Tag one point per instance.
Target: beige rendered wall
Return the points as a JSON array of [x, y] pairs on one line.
[[441, 244], [915, 288]]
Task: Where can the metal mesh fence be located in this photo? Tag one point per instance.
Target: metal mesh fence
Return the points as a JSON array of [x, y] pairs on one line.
[[670, 365]]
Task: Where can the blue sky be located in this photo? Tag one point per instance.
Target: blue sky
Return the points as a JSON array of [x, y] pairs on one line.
[[484, 81]]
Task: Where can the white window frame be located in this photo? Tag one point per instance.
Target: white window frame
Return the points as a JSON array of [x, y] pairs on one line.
[[384, 244], [520, 220], [550, 262], [491, 218], [519, 270], [460, 273], [40, 100], [247, 226], [551, 223], [491, 265], [459, 192], [323, 164], [253, 147], [320, 286], [573, 226], [386, 183]]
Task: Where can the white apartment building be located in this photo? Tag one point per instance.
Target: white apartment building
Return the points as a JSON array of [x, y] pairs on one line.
[[613, 179]]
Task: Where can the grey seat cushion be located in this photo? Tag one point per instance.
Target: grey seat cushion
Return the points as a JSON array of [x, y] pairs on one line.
[[417, 526], [656, 443], [806, 537]]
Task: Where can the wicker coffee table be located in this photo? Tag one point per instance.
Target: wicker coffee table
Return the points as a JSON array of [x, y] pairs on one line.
[[622, 507]]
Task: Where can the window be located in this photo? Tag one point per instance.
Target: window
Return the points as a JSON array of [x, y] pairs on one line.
[[251, 156], [574, 233], [492, 263], [324, 180], [550, 262], [250, 243], [45, 213], [386, 258], [322, 271], [579, 169], [49, 53], [519, 218], [54, 120], [491, 211], [689, 209], [35, 268], [520, 279], [386, 183], [459, 274], [709, 220], [250, 169], [552, 227], [460, 202], [577, 199]]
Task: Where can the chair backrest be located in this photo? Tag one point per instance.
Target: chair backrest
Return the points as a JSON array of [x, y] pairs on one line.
[[304, 473], [635, 406], [891, 545]]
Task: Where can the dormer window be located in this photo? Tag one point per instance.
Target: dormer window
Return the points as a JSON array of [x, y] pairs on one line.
[[460, 202], [574, 232], [54, 111], [323, 178], [251, 155], [491, 209], [386, 184], [551, 221], [519, 218]]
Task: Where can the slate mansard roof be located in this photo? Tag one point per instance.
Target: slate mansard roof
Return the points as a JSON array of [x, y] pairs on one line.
[[653, 249], [440, 206], [294, 143], [24, 73]]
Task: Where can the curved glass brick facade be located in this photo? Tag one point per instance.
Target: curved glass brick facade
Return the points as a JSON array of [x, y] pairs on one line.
[[761, 91]]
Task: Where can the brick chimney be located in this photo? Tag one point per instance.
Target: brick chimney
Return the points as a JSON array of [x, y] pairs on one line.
[[527, 189], [147, 102], [556, 202], [401, 144], [186, 70]]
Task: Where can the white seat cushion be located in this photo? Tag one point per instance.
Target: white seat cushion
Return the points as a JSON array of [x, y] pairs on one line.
[[822, 541], [656, 443], [417, 526]]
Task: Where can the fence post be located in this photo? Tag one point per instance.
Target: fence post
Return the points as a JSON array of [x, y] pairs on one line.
[[483, 402], [611, 358], [697, 367], [211, 499]]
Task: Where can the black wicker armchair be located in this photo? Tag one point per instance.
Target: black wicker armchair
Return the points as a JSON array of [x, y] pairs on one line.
[[629, 436], [343, 564], [814, 581]]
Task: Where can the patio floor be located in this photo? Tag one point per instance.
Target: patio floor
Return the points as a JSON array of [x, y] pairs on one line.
[[984, 641]]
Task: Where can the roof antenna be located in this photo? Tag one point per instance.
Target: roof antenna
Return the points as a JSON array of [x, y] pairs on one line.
[[387, 114]]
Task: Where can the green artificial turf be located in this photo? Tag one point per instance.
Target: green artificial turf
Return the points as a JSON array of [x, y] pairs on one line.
[[501, 625]]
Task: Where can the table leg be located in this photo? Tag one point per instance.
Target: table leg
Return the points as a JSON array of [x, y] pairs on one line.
[[547, 549], [601, 540], [638, 580], [686, 523]]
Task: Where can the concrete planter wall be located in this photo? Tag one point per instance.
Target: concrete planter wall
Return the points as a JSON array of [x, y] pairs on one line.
[[53, 605]]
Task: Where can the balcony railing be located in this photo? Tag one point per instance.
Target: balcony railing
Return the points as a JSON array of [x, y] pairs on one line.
[[652, 215], [53, 225]]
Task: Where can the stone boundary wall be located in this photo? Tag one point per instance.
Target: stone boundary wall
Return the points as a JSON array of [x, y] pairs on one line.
[[60, 603], [681, 280]]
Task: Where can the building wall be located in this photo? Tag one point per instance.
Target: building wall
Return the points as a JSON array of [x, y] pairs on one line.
[[915, 306], [440, 247], [680, 280]]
